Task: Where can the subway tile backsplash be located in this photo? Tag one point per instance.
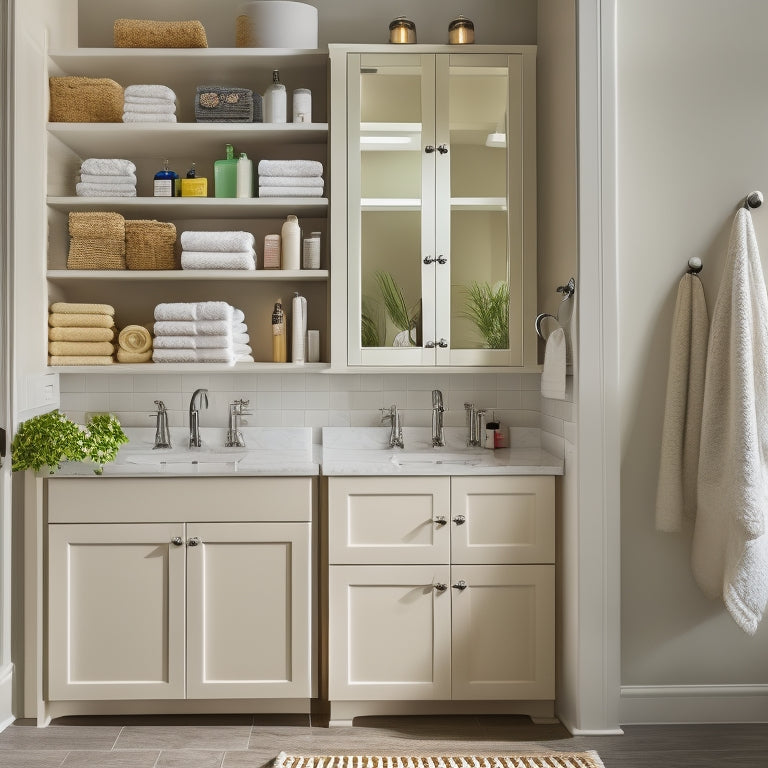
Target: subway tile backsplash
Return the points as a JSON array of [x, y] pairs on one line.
[[321, 399]]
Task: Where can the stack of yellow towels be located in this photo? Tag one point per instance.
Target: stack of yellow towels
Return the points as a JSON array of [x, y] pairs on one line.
[[81, 334], [134, 345]]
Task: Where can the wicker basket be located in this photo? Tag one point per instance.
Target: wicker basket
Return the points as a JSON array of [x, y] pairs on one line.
[[150, 244], [148, 33], [85, 100], [97, 224], [96, 253]]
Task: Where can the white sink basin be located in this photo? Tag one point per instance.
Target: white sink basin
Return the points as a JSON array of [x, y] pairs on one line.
[[437, 459], [209, 459]]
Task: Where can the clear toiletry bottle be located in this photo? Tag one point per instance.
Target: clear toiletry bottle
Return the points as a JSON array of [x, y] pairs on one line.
[[225, 175], [291, 243], [279, 346], [166, 182], [276, 101], [244, 176]]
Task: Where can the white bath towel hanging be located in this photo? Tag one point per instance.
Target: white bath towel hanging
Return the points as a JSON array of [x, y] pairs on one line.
[[730, 544], [553, 372], [680, 437]]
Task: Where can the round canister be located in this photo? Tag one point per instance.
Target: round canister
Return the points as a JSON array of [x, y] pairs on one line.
[[461, 31], [402, 30], [276, 24], [302, 105]]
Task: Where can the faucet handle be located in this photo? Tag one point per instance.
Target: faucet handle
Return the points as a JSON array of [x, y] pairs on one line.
[[388, 414]]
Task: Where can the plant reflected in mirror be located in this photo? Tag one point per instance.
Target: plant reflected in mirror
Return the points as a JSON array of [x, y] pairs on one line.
[[487, 306]]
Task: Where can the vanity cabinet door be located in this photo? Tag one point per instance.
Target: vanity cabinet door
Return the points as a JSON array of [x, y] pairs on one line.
[[248, 609], [116, 611], [389, 632]]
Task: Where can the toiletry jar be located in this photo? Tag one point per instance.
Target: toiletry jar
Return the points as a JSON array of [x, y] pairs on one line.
[[276, 24]]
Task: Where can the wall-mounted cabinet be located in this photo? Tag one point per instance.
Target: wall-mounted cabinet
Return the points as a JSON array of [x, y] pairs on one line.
[[438, 226]]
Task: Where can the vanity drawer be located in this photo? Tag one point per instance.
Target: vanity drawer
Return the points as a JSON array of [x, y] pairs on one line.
[[388, 520]]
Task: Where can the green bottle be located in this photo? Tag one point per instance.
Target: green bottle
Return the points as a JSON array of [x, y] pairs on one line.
[[225, 175]]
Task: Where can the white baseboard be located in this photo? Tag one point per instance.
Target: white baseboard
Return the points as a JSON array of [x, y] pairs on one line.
[[662, 704], [6, 697], [587, 731]]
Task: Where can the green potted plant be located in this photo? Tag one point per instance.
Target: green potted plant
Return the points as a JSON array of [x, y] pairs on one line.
[[49, 439], [488, 308], [404, 319]]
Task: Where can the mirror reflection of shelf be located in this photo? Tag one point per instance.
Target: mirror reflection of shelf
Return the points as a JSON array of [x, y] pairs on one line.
[[414, 204], [390, 137]]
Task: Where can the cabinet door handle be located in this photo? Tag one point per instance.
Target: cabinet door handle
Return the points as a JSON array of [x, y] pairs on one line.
[[440, 520], [441, 587], [194, 541], [459, 519], [429, 149], [461, 585], [441, 259], [442, 149], [429, 260], [429, 344], [442, 343], [177, 541]]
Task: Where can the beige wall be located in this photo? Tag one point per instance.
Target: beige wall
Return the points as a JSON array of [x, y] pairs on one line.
[[693, 118]]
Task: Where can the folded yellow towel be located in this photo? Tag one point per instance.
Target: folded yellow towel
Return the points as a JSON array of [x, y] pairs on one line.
[[90, 224], [75, 99], [64, 320], [124, 356], [135, 338], [82, 309], [80, 360], [81, 334], [149, 33], [81, 348]]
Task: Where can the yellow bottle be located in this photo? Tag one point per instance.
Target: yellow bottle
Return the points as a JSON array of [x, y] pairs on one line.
[[279, 347]]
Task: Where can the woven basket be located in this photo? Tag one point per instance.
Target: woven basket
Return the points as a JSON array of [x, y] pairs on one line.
[[149, 244], [104, 224], [148, 33], [96, 253], [85, 100]]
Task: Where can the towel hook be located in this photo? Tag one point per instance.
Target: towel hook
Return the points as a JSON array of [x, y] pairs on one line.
[[694, 265], [567, 290], [753, 200]]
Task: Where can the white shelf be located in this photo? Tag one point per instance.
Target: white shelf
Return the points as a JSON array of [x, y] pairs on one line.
[[154, 368], [197, 207], [478, 204], [177, 275], [414, 204], [390, 204]]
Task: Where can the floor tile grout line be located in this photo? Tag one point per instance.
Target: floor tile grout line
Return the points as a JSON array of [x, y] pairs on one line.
[[122, 727]]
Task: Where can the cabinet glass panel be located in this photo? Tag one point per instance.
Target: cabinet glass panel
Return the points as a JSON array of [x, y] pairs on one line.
[[391, 215], [479, 237]]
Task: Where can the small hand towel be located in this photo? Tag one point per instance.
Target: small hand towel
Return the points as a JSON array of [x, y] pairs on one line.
[[80, 360], [244, 359], [130, 100], [217, 260], [78, 308], [107, 166], [290, 191], [150, 117], [135, 338], [292, 181], [151, 109], [124, 183], [237, 316], [162, 92], [200, 310], [93, 178], [217, 241], [290, 168], [64, 320], [194, 356], [681, 434], [553, 374], [124, 356], [105, 190], [81, 348], [242, 349], [730, 541], [81, 334], [192, 328], [162, 341]]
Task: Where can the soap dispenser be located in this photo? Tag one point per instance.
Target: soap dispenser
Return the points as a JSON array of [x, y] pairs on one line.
[[166, 182], [225, 175], [276, 101], [244, 176]]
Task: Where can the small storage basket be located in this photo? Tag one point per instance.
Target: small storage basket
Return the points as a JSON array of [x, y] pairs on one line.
[[104, 251], [85, 100], [150, 244], [148, 33]]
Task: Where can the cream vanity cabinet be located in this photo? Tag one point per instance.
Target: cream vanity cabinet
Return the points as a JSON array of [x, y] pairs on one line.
[[437, 223], [174, 589], [441, 588]]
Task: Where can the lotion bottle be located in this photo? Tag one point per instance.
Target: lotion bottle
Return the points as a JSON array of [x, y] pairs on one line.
[[291, 243], [244, 176], [279, 346], [276, 101], [225, 175]]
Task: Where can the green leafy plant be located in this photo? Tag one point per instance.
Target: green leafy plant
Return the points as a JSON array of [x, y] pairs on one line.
[[488, 308], [49, 439], [394, 304], [369, 331]]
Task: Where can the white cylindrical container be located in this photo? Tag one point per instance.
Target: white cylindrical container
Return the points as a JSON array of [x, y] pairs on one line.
[[244, 176], [302, 105], [313, 346], [311, 253], [290, 243], [279, 24], [299, 329], [276, 101]]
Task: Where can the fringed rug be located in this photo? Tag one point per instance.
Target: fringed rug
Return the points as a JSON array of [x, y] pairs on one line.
[[533, 760]]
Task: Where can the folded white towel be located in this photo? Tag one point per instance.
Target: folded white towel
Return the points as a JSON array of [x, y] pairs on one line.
[[242, 349], [95, 178], [148, 100], [553, 373], [217, 260], [244, 359], [291, 181], [150, 91], [238, 316], [730, 540], [137, 117], [105, 190], [217, 241], [679, 461], [162, 341], [107, 166], [290, 191], [225, 355], [290, 168], [151, 109], [195, 310], [241, 338], [197, 328]]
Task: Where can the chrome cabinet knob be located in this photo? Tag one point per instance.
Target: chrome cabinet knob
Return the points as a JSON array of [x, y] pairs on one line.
[[194, 541], [461, 585], [429, 260], [429, 344], [442, 149], [440, 520], [177, 541], [459, 519], [441, 259], [441, 587], [442, 343], [429, 149]]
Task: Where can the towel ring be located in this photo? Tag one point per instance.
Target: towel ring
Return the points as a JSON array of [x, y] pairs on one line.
[[567, 290]]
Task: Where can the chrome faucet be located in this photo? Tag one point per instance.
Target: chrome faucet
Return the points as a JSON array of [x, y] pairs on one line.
[[235, 437], [438, 434], [199, 396], [474, 424], [396, 426], [162, 433]]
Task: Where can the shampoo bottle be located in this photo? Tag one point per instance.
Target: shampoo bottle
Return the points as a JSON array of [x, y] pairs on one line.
[[290, 243], [166, 182], [244, 176], [225, 175], [279, 347], [276, 101]]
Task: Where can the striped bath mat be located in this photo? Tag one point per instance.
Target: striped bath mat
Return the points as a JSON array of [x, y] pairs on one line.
[[533, 760]]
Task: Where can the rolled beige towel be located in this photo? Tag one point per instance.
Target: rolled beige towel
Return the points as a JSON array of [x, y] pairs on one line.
[[81, 334], [124, 356], [64, 320], [69, 308], [80, 360], [81, 348], [135, 338]]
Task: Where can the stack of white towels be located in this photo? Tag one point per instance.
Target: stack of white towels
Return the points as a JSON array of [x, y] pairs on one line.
[[100, 177], [290, 178], [149, 104], [200, 332], [217, 250]]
